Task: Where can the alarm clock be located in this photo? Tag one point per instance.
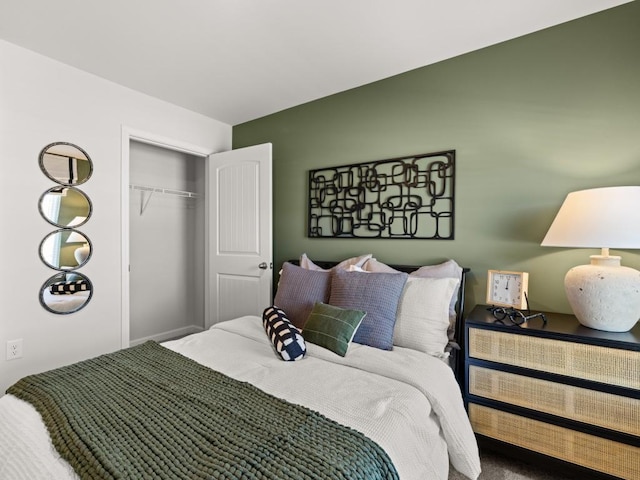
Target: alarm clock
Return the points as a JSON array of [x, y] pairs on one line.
[[507, 289]]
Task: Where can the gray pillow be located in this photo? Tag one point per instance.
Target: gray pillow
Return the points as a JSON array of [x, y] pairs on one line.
[[299, 290], [377, 294]]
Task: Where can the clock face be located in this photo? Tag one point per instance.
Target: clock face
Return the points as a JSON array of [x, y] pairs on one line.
[[507, 288]]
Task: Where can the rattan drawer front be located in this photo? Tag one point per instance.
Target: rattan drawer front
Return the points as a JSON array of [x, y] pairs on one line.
[[621, 414], [601, 364], [580, 448]]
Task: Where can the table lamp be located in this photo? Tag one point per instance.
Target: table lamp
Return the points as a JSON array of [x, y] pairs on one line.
[[603, 295]]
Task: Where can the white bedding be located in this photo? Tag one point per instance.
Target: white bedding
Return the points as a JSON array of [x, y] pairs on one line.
[[65, 303], [407, 401]]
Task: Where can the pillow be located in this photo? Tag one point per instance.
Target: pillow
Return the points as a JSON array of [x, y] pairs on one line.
[[332, 327], [355, 268], [299, 289], [68, 288], [345, 264], [373, 265], [422, 321], [446, 269], [377, 295], [285, 337]]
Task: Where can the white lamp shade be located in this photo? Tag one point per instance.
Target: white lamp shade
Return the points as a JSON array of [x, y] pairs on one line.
[[76, 237], [598, 218], [76, 221]]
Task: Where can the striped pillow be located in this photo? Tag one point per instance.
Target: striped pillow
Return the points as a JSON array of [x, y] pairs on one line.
[[285, 337], [69, 288]]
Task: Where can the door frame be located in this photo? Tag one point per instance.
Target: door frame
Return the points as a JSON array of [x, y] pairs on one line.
[[127, 135]]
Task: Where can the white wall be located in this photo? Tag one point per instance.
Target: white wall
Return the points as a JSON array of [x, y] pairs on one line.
[[42, 101]]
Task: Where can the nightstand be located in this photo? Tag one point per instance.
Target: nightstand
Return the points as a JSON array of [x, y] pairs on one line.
[[560, 389]]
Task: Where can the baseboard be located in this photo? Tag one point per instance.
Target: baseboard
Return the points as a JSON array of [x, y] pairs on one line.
[[169, 335]]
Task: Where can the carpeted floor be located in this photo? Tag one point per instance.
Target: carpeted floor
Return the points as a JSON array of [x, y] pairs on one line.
[[498, 467]]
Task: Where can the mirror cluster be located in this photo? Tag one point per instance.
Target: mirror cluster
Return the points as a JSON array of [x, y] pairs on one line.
[[65, 206]]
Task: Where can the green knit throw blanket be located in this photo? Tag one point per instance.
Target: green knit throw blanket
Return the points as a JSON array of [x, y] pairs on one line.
[[147, 412]]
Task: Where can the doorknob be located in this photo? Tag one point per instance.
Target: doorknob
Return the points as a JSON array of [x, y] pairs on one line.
[[263, 266]]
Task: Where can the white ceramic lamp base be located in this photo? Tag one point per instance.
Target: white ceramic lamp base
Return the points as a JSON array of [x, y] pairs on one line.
[[604, 295], [81, 254]]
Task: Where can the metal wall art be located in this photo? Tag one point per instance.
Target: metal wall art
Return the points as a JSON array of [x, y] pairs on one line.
[[407, 197]]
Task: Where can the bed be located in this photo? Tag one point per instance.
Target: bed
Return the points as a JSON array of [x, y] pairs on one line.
[[361, 411], [65, 303]]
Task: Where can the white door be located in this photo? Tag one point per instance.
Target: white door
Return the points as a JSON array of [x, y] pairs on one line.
[[240, 233]]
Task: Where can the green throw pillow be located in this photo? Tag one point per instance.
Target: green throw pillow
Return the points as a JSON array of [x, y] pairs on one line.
[[332, 327]]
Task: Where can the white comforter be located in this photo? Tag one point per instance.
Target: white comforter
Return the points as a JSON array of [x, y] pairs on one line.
[[65, 303], [407, 401]]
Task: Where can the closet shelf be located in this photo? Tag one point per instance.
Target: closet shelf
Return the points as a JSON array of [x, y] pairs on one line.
[[168, 191], [143, 189]]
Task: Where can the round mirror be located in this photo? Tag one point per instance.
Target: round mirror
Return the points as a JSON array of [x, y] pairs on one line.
[[65, 207], [65, 163], [65, 249], [66, 292]]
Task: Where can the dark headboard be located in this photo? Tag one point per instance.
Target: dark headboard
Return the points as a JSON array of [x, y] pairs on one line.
[[457, 363]]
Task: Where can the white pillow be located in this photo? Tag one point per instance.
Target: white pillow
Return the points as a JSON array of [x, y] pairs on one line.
[[359, 261], [445, 269], [373, 265], [422, 319]]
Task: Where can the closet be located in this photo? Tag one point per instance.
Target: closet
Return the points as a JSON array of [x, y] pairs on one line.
[[166, 243]]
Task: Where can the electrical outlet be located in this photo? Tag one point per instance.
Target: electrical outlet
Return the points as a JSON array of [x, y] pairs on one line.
[[14, 349]]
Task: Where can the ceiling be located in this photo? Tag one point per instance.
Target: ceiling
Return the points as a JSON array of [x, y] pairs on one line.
[[237, 60]]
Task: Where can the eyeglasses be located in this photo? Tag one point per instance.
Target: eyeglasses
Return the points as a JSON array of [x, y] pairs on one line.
[[516, 317]]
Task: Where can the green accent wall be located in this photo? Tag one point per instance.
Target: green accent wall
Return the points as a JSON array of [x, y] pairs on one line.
[[531, 120]]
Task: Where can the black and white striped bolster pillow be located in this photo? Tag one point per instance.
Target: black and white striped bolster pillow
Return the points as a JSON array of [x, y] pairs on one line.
[[287, 340], [68, 288]]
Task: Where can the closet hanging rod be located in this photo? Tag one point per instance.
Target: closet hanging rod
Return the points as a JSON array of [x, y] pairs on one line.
[[145, 189], [168, 191]]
